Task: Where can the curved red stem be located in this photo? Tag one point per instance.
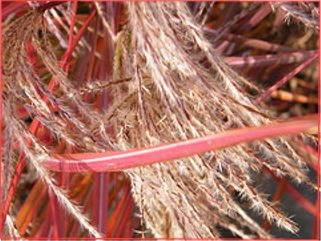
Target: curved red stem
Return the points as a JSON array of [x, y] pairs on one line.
[[115, 161]]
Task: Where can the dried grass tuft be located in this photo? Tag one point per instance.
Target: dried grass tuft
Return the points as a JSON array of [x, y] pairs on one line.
[[168, 85]]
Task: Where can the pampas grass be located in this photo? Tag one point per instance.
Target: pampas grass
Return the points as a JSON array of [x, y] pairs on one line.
[[167, 84]]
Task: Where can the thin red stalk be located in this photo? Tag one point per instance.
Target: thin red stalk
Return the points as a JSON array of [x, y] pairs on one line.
[[299, 198], [102, 101], [22, 6], [129, 232], [35, 123], [115, 161], [75, 41], [57, 229], [116, 181], [126, 216], [65, 177], [95, 199], [83, 195], [26, 208], [261, 13], [44, 6], [229, 13], [103, 201], [251, 42], [257, 43], [279, 19], [72, 25], [123, 213], [316, 224], [267, 60], [302, 200], [309, 148], [23, 113], [64, 181], [1, 153], [99, 194], [129, 220], [73, 182], [92, 56], [39, 221], [12, 7], [312, 152], [44, 230], [75, 228], [286, 78], [33, 210], [276, 197], [116, 216], [129, 215]]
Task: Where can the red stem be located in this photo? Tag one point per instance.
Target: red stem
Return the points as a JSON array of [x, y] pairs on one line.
[[252, 42], [57, 229], [115, 161], [312, 152], [258, 16], [276, 197], [12, 7], [305, 203], [316, 221], [65, 177], [41, 195], [22, 6], [286, 78], [263, 12], [267, 60]]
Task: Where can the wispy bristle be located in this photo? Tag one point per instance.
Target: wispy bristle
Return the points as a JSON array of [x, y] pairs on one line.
[[168, 84]]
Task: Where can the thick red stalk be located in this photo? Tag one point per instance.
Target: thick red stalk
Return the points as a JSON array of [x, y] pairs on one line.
[[115, 161]]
